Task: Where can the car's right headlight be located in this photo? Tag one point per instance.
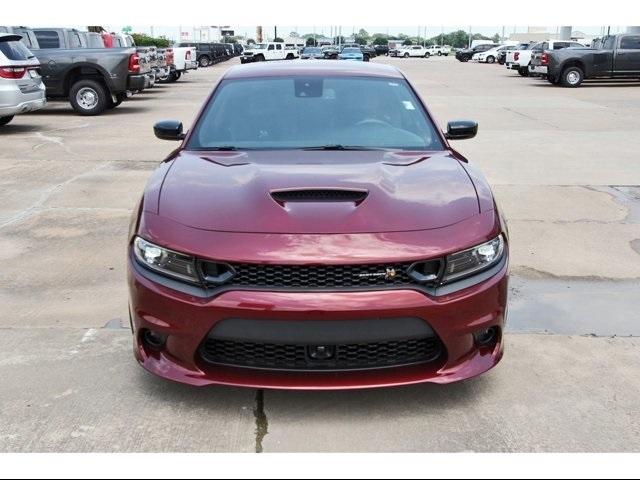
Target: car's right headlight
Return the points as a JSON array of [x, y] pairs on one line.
[[168, 262], [473, 260]]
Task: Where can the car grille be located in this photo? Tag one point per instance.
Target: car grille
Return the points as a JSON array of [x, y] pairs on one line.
[[320, 276], [358, 356]]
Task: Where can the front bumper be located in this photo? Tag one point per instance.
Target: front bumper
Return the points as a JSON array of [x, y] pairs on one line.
[[187, 320]]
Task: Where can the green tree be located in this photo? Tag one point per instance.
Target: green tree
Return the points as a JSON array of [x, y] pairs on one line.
[[380, 40], [143, 40], [311, 42], [250, 41], [278, 39], [407, 41]]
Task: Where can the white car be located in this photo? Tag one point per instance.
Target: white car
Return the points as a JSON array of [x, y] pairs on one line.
[[21, 86], [262, 52], [413, 51], [490, 56]]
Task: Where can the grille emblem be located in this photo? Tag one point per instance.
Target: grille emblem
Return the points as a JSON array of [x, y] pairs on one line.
[[321, 352], [388, 274]]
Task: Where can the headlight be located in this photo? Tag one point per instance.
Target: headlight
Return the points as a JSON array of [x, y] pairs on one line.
[[165, 261], [473, 260]]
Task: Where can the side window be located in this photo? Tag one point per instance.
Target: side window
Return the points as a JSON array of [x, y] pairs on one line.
[[272, 47], [279, 47], [609, 43], [48, 39], [74, 40], [630, 42], [576, 45], [560, 45]]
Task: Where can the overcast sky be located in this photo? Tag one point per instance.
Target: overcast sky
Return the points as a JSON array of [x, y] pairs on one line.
[[284, 30]]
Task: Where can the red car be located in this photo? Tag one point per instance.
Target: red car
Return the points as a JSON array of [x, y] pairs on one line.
[[315, 230]]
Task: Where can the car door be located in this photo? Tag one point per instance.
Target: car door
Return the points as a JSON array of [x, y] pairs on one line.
[[270, 54], [279, 53], [627, 58]]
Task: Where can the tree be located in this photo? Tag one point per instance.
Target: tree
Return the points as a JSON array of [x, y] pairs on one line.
[[311, 42], [278, 39], [361, 40], [338, 40], [143, 40], [407, 41], [380, 40], [250, 41]]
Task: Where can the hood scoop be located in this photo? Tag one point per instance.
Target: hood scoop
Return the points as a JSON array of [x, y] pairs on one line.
[[319, 195]]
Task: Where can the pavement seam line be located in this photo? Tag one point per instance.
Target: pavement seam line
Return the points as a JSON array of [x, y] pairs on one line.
[[36, 206], [262, 422]]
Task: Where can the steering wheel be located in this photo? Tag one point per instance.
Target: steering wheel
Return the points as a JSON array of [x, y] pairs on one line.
[[373, 121]]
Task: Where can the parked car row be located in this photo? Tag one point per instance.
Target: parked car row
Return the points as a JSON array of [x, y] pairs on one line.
[[207, 54], [565, 62], [407, 51]]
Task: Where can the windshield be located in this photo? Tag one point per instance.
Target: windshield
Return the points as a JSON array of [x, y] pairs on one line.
[[314, 112], [258, 46]]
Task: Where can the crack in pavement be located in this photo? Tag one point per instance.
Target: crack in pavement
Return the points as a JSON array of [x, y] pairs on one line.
[[262, 422], [37, 205]]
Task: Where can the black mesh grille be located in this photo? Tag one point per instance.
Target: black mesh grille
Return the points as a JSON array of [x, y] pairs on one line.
[[319, 195], [320, 276], [342, 357]]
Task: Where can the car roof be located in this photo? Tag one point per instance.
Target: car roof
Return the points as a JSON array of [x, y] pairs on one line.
[[287, 68], [10, 37]]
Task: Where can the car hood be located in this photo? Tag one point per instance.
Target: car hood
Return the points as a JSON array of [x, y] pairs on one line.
[[241, 191]]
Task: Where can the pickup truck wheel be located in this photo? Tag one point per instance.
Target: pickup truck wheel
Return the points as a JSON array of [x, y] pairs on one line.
[[175, 76], [259, 58], [204, 61], [290, 56], [439, 54], [427, 55], [572, 77], [406, 55], [88, 97], [491, 59], [5, 120], [524, 71], [464, 59]]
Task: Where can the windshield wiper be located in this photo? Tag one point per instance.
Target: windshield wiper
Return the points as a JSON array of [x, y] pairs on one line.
[[341, 147], [223, 148]]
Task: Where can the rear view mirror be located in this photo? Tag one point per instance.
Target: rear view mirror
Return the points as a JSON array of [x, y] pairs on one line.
[[461, 129], [169, 130]]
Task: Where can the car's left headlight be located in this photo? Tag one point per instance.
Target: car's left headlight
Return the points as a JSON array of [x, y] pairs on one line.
[[473, 260], [168, 262]]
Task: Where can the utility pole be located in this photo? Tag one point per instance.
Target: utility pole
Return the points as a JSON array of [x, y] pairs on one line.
[[469, 37], [275, 33]]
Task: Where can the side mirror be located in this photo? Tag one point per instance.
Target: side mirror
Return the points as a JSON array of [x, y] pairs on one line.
[[169, 130], [461, 130]]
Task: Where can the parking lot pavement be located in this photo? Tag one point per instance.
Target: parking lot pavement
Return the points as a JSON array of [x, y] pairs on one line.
[[564, 166]]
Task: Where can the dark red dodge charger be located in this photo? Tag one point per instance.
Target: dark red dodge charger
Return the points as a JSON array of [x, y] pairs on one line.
[[315, 230]]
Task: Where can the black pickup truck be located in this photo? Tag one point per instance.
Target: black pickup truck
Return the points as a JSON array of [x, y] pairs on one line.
[[93, 79], [615, 56]]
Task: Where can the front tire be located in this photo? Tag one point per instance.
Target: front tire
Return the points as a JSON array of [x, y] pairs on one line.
[[89, 97], [290, 56], [204, 61], [5, 120], [491, 59], [464, 59], [427, 55], [572, 77], [406, 55]]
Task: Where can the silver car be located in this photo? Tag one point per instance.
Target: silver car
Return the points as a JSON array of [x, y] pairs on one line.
[[21, 87]]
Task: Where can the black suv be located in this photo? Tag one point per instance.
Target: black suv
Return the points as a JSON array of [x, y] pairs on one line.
[[466, 54]]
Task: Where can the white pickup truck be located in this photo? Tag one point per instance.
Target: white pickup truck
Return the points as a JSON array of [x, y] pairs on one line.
[[413, 51], [262, 52], [439, 50], [520, 59], [184, 59]]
